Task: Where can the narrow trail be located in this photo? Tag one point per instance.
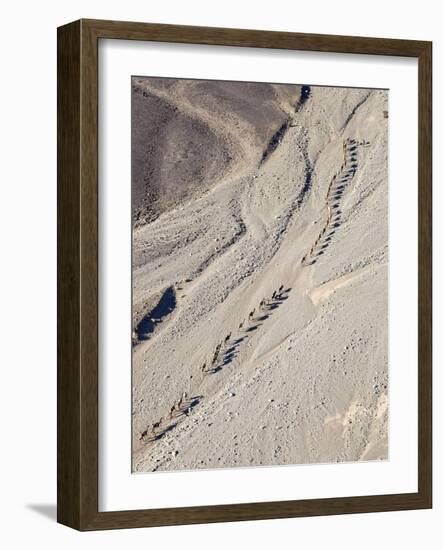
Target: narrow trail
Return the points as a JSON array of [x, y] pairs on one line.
[[354, 111]]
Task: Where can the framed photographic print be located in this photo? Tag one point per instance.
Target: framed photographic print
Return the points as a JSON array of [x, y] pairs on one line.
[[244, 275]]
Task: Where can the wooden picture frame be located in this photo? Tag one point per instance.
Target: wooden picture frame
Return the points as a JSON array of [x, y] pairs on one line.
[[78, 274]]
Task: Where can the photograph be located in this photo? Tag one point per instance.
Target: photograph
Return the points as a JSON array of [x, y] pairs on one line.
[[260, 270], [221, 220]]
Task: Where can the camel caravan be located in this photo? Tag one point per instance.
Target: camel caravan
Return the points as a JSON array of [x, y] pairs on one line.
[[182, 406], [226, 347], [334, 194]]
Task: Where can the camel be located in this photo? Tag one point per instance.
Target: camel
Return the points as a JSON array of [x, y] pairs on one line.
[[143, 434], [216, 352], [179, 404], [155, 426]]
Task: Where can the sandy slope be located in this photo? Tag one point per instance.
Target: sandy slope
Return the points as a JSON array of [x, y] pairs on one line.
[[305, 378]]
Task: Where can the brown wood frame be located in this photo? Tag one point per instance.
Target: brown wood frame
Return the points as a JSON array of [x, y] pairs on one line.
[[77, 453]]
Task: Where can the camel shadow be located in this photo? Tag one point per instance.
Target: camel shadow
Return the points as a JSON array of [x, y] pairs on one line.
[[335, 193], [267, 306]]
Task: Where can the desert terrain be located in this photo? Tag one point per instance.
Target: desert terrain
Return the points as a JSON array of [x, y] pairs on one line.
[[260, 274]]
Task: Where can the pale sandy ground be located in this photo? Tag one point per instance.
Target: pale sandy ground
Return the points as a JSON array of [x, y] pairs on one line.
[[305, 381]]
